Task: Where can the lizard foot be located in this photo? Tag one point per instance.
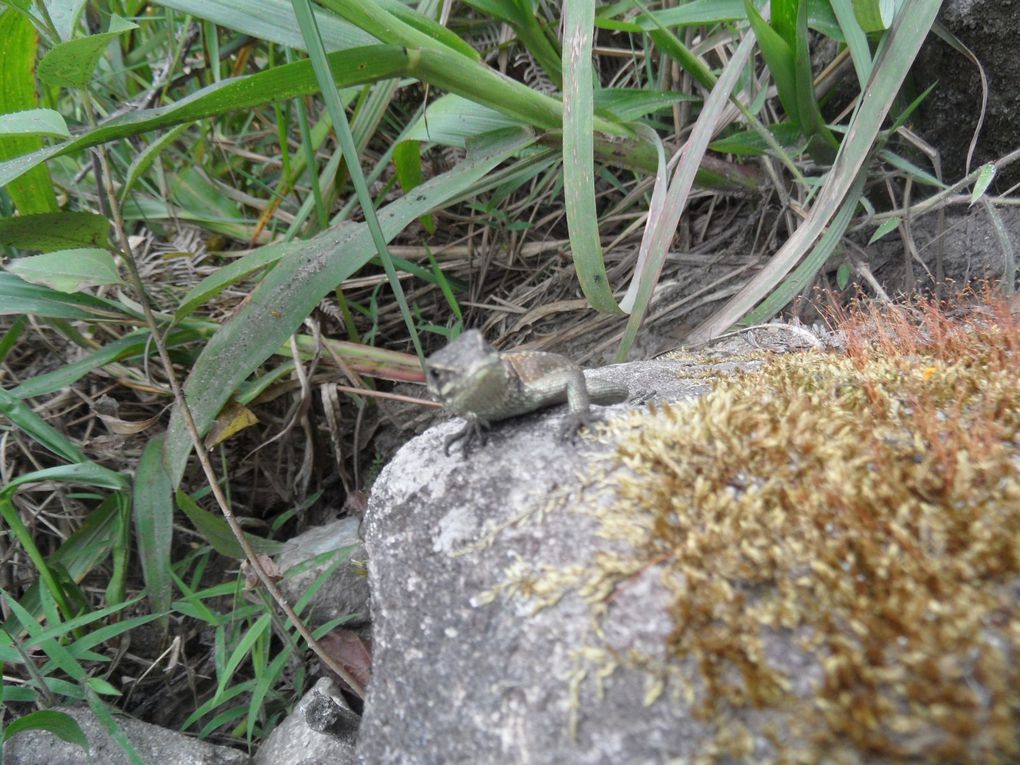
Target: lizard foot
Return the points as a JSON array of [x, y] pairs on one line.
[[472, 432]]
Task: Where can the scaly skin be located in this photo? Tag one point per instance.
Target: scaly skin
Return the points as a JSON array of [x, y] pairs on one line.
[[474, 380]]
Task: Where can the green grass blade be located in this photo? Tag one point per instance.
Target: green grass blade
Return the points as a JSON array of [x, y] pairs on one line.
[[48, 232], [856, 39], [33, 193], [218, 534], [779, 57], [131, 346], [274, 22], [71, 64], [812, 264], [41, 122], [68, 270], [655, 243], [264, 681], [19, 297], [241, 650], [53, 650], [60, 724], [337, 113], [102, 712], [578, 156], [154, 526], [38, 429]]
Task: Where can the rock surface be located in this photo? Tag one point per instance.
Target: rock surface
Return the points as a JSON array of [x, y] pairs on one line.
[[321, 729], [459, 681], [154, 745]]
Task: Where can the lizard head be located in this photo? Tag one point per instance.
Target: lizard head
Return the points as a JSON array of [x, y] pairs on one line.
[[456, 370]]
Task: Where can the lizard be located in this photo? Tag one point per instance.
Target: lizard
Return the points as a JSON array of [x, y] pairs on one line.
[[472, 379]]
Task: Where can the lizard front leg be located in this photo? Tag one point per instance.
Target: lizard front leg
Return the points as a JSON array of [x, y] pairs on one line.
[[473, 430]]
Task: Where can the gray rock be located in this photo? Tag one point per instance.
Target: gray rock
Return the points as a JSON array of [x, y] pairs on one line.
[[345, 591], [458, 681], [155, 745], [321, 730]]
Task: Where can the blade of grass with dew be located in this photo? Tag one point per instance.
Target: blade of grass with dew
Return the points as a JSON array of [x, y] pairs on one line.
[[579, 158], [33, 193], [338, 115], [660, 231], [37, 122], [895, 56], [295, 286]]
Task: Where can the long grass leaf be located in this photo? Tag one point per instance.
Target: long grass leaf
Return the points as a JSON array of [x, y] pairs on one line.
[[663, 228], [154, 527], [337, 113], [51, 647], [33, 193], [241, 650], [274, 22], [578, 156]]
